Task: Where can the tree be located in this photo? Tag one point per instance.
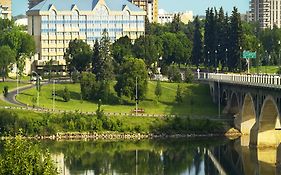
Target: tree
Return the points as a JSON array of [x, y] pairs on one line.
[[179, 94], [88, 86], [78, 55], [189, 75], [5, 91], [66, 94], [130, 70], [149, 48], [197, 44], [176, 25], [174, 73], [103, 65], [235, 42], [121, 49], [7, 57], [23, 157], [158, 90]]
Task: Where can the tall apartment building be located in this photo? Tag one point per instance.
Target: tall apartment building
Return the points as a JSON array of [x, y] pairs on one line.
[[54, 23], [266, 12], [32, 3], [150, 6], [6, 9]]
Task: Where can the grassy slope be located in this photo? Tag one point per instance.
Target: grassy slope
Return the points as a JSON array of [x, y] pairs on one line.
[[167, 105], [265, 69]]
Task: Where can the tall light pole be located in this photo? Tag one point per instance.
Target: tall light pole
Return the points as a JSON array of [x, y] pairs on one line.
[[37, 86], [136, 96], [279, 43], [258, 59], [226, 61], [216, 64], [54, 93]]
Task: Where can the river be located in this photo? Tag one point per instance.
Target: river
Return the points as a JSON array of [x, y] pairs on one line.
[[210, 156]]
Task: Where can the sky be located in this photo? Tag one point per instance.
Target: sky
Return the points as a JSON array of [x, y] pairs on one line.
[[197, 6]]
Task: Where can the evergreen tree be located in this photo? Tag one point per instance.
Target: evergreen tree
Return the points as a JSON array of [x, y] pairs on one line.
[[103, 67], [176, 25], [235, 41], [158, 90], [96, 54], [197, 43]]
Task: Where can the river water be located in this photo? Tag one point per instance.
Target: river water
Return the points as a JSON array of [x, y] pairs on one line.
[[210, 156]]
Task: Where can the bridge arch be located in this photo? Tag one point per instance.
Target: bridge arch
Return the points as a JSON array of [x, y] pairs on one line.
[[248, 115], [268, 121], [234, 104]]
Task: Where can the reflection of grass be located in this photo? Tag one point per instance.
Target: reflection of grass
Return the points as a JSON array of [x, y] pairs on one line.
[[265, 69], [196, 97]]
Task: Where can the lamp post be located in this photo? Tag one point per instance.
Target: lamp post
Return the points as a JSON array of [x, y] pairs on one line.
[[258, 59], [279, 43], [216, 55], [136, 96], [54, 93], [241, 56], [226, 61], [208, 60], [266, 55], [37, 86]]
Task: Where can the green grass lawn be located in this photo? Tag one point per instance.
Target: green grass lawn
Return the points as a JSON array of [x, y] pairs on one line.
[[197, 100], [265, 69]]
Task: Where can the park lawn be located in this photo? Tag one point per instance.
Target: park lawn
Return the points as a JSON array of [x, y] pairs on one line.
[[265, 69], [196, 100]]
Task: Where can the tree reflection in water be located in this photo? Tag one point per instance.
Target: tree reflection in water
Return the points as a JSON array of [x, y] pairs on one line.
[[165, 157]]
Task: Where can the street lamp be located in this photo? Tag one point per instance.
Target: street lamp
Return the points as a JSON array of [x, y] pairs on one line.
[[208, 60], [37, 85], [258, 59], [279, 42], [216, 61], [54, 93], [241, 56], [226, 61]]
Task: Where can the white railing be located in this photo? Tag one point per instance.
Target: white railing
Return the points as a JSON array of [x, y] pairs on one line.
[[273, 81]]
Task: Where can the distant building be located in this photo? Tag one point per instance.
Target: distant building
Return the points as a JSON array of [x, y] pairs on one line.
[[6, 9], [150, 6], [166, 17], [55, 23], [266, 12]]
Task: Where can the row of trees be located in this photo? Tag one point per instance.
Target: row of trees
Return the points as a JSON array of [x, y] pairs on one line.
[[15, 46]]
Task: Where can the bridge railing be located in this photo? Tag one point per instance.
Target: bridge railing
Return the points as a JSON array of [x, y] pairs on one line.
[[255, 80]]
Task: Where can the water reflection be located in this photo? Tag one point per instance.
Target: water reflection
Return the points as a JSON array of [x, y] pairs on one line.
[[164, 157]]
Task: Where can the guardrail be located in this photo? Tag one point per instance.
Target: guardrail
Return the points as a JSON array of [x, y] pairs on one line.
[[271, 81]]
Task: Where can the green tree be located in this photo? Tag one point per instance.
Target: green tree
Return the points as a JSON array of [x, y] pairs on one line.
[[7, 57], [149, 48], [179, 94], [88, 86], [158, 90], [174, 73], [121, 49], [5, 91], [197, 48], [103, 64], [235, 42], [176, 25], [78, 56], [131, 69], [66, 94], [23, 157]]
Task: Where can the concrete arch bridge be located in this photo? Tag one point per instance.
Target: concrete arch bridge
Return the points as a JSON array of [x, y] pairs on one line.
[[255, 103]]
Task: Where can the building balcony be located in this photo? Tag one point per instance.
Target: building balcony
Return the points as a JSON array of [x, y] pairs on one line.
[[52, 37], [44, 37], [67, 37], [59, 37]]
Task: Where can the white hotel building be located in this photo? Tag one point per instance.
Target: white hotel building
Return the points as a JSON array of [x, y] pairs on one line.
[[54, 23]]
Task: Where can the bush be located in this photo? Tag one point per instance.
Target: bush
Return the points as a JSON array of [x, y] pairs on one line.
[[66, 94], [188, 75], [174, 74], [5, 91]]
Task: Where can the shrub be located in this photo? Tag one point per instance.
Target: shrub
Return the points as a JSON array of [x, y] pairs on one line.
[[174, 73], [5, 91], [189, 75], [66, 94]]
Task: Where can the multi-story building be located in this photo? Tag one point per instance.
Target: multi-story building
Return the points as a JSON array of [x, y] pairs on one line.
[[150, 6], [6, 9], [166, 17], [266, 12], [32, 3], [55, 23]]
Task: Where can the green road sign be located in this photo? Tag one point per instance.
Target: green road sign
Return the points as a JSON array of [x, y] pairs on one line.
[[249, 55]]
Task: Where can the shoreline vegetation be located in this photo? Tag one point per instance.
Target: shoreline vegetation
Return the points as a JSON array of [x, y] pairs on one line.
[[68, 126]]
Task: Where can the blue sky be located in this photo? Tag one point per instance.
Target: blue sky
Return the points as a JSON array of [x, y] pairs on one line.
[[197, 6]]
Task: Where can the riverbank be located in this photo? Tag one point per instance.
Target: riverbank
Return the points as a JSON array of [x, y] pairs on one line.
[[124, 136], [83, 126]]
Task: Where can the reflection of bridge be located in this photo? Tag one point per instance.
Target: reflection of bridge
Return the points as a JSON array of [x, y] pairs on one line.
[[254, 101]]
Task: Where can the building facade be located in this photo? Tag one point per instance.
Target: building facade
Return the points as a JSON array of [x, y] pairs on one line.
[[6, 9], [266, 12], [167, 17], [151, 8], [55, 23]]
